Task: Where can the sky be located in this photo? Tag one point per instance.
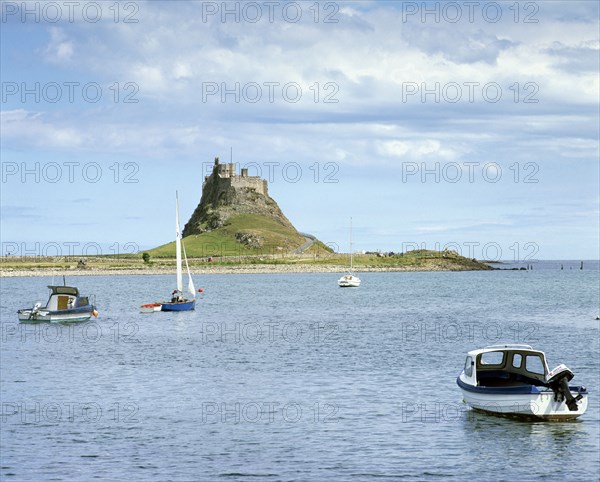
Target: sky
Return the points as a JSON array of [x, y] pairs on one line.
[[472, 126]]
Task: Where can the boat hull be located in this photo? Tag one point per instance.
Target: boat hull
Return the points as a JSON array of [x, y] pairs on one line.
[[83, 313], [343, 284], [150, 308], [349, 282], [187, 305], [527, 401]]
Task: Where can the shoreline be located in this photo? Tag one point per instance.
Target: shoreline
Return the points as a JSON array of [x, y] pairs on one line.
[[241, 269]]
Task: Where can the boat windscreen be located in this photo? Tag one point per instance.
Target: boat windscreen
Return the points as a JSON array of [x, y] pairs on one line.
[[527, 366], [64, 290]]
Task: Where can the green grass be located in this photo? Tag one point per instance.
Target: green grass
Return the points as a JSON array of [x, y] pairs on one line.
[[318, 256], [421, 260], [275, 239]]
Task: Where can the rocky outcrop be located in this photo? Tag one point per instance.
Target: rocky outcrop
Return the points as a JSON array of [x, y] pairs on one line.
[[226, 194]]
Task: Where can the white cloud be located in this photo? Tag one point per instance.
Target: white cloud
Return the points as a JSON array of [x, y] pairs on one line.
[[150, 78], [416, 150], [369, 54], [20, 127], [182, 70], [393, 148], [59, 49]]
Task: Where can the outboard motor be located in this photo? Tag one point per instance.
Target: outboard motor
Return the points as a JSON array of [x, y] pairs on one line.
[[34, 311], [558, 380]]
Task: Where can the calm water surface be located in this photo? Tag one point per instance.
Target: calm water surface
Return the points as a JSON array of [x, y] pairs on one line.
[[288, 377]]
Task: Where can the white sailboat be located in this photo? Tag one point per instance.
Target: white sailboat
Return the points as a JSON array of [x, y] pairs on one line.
[[178, 302], [349, 280]]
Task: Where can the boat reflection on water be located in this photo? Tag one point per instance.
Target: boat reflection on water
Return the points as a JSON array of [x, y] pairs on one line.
[[513, 437]]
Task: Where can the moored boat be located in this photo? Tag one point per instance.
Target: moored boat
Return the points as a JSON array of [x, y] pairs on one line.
[[64, 305], [177, 302], [515, 380], [349, 280], [150, 307]]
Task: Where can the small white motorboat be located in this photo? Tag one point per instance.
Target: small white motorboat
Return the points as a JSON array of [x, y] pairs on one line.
[[515, 380], [64, 305]]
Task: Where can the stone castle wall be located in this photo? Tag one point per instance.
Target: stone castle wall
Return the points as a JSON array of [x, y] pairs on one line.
[[252, 182], [225, 175]]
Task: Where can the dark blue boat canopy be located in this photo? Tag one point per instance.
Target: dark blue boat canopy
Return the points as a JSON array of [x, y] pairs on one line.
[[64, 290]]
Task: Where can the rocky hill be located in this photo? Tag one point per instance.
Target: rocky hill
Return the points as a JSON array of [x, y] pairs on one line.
[[236, 215], [225, 195]]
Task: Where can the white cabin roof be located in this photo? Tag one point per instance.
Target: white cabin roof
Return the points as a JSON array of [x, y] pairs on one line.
[[506, 347]]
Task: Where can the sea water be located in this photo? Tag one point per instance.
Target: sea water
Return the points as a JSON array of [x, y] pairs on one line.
[[288, 377]]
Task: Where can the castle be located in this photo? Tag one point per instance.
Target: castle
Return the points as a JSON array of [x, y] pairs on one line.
[[226, 176], [226, 194]]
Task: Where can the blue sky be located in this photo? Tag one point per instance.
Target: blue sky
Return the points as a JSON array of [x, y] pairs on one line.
[[432, 124]]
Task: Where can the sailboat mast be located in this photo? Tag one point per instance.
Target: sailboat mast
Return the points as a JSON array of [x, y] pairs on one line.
[[178, 244], [350, 244]]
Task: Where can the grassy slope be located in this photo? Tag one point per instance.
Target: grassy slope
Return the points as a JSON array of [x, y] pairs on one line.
[[275, 238]]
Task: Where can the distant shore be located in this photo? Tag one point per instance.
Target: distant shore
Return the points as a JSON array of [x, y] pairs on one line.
[[419, 260], [237, 269]]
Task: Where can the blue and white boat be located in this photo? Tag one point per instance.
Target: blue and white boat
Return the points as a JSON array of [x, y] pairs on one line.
[[178, 302], [515, 380], [64, 305]]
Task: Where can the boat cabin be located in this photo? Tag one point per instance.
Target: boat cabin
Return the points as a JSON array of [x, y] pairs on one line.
[[64, 298], [506, 365]]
